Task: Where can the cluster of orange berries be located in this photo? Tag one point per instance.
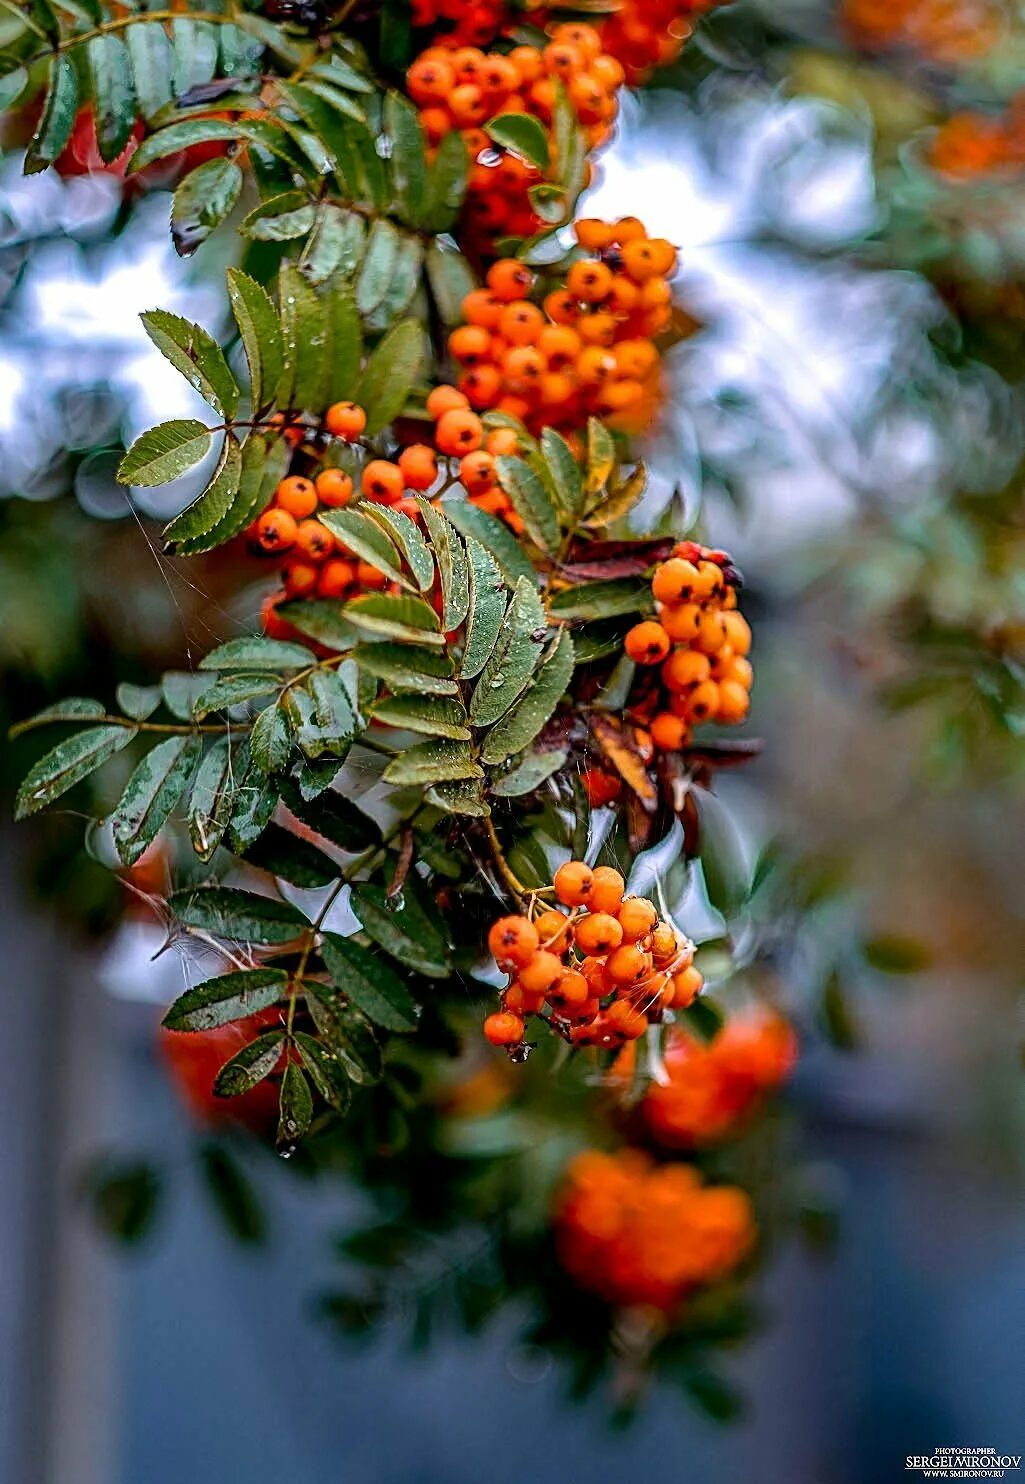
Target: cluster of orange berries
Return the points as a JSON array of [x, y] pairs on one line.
[[606, 970], [586, 349], [646, 34], [700, 641], [980, 144], [946, 31], [464, 88], [639, 1233], [463, 22], [714, 1088]]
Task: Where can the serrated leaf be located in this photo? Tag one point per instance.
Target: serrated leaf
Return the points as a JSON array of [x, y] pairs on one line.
[[226, 998], [234, 690], [408, 151], [337, 244], [113, 94], [342, 372], [213, 797], [71, 709], [165, 452], [406, 535], [487, 603], [321, 619], [518, 728], [437, 716], [531, 501], [250, 1066], [58, 116], [494, 535], [280, 218], [150, 51], [619, 501], [396, 616], [202, 201], [306, 339], [529, 773], [241, 916], [332, 726], [270, 739], [326, 1071], [402, 287], [286, 856], [265, 461], [523, 134], [209, 508], [257, 653], [258, 325], [424, 672], [402, 928], [370, 983], [153, 791], [334, 817], [232, 1194], [566, 478], [195, 53], [515, 657], [601, 455], [447, 180], [724, 864], [595, 600], [181, 136], [453, 572], [368, 539], [67, 764], [295, 1108], [570, 147], [180, 689], [390, 373], [437, 761], [461, 796], [348, 1033], [255, 802]]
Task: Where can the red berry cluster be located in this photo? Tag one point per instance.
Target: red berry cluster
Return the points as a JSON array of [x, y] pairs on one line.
[[605, 971], [701, 643]]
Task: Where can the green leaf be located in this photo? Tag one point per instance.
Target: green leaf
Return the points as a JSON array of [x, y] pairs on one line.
[[437, 716], [255, 802], [249, 1066], [406, 535], [494, 535], [390, 373], [521, 724], [405, 931], [333, 724], [261, 334], [257, 653], [291, 859], [396, 616], [402, 286], [460, 796], [198, 520], [67, 764], [202, 201], [438, 761], [295, 1109], [896, 953], [232, 1194], [180, 688], [523, 134], [342, 372], [603, 599], [424, 672], [619, 501], [514, 659], [531, 500], [724, 864], [334, 817], [565, 473], [234, 690], [180, 136], [450, 555], [306, 338], [71, 709], [265, 461], [326, 1071], [124, 1198], [58, 116], [321, 619], [154, 789], [370, 983], [113, 93], [570, 148], [488, 596], [226, 998], [408, 156], [213, 797], [150, 50], [138, 701], [270, 740], [529, 773], [347, 1031], [368, 539], [165, 452], [195, 53], [242, 916], [601, 455], [280, 218], [447, 180]]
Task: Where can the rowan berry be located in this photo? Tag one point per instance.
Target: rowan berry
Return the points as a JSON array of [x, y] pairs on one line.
[[647, 643], [637, 917], [301, 579], [589, 280], [512, 941], [333, 487], [275, 530], [570, 989], [382, 480], [687, 984], [541, 970], [703, 701], [345, 420], [444, 399], [574, 883], [597, 934], [554, 930], [369, 576], [459, 432], [674, 581], [314, 540], [470, 344], [336, 577], [501, 441], [419, 466], [296, 495], [522, 1001], [482, 386], [509, 279], [682, 623], [628, 964], [669, 732], [593, 234], [734, 702], [738, 633], [477, 472], [503, 1028]]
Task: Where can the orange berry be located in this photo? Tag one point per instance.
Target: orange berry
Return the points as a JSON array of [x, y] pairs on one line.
[[369, 576], [445, 399], [521, 1001], [686, 987], [607, 890], [628, 965], [589, 281], [296, 495], [637, 916], [703, 701], [573, 883], [512, 941], [334, 487], [482, 307], [647, 643], [275, 530], [382, 480], [482, 385], [470, 344], [570, 989], [541, 970], [509, 279], [636, 358], [435, 123], [501, 441], [523, 367], [459, 432], [664, 945], [641, 260], [314, 540], [467, 104], [711, 634], [681, 622], [597, 329], [597, 934], [738, 632], [739, 669], [430, 80], [592, 234], [554, 930], [684, 669], [419, 466], [504, 1028], [734, 702], [336, 577], [301, 579], [628, 229], [345, 420], [521, 323], [674, 581], [563, 59], [669, 732], [477, 472], [595, 365], [527, 61]]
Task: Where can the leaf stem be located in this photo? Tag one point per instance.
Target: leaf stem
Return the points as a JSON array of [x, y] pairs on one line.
[[508, 875]]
